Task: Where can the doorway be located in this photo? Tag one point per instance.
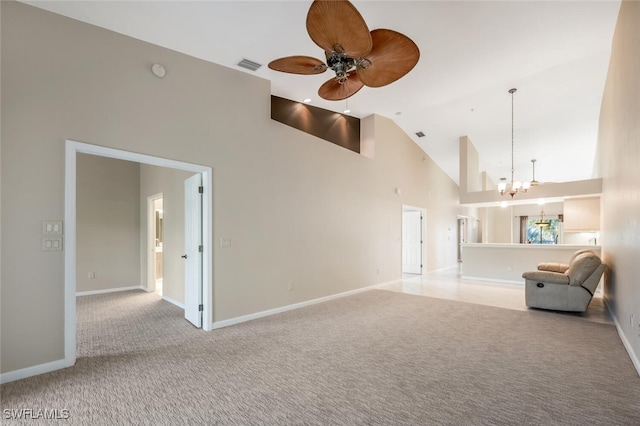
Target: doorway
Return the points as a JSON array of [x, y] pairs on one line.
[[413, 228], [155, 243], [462, 235], [73, 148]]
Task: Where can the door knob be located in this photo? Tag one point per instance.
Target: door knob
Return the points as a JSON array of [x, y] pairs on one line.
[[184, 256]]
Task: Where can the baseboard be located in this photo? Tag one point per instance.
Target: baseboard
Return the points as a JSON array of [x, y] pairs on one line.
[[173, 302], [492, 280], [625, 342], [441, 270], [262, 314], [108, 290], [12, 376]]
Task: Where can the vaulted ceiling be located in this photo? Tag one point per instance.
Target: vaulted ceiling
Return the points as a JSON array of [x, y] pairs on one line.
[[555, 53]]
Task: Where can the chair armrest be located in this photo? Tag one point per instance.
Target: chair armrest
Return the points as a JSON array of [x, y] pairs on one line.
[[553, 267], [546, 277]]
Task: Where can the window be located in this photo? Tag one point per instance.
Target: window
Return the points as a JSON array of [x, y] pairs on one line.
[[542, 234]]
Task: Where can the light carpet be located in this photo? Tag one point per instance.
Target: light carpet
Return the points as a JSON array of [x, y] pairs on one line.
[[375, 358]]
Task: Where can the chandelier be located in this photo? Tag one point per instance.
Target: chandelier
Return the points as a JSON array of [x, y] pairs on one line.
[[514, 186]]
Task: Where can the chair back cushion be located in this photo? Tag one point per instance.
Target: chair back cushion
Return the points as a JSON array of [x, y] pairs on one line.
[[582, 267], [578, 253]]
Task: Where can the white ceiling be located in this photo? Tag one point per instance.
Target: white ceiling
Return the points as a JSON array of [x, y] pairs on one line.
[[555, 53]]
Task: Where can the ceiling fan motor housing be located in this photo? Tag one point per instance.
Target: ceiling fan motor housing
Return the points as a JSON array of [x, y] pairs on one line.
[[340, 63]]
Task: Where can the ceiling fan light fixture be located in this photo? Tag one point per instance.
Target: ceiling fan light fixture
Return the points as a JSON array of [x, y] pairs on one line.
[[534, 182]]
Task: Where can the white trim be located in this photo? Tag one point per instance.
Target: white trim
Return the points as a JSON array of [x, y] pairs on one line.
[[150, 285], [492, 280], [72, 148], [445, 269], [109, 290], [262, 314], [625, 342], [70, 254], [382, 285], [12, 376], [173, 302]]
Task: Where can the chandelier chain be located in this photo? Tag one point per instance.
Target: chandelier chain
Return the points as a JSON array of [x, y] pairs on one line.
[[513, 186], [512, 91]]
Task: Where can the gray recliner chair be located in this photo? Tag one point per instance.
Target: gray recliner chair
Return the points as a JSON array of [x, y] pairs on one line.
[[564, 287]]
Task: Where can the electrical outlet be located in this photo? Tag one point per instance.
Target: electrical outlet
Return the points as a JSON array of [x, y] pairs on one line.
[[509, 268], [290, 286], [92, 275], [52, 243], [632, 320]]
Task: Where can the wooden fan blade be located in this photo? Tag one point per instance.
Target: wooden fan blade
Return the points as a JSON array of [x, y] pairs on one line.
[[298, 65], [335, 25], [331, 90], [393, 55]]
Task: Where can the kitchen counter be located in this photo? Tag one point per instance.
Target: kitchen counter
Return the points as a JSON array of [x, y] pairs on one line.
[[507, 262]]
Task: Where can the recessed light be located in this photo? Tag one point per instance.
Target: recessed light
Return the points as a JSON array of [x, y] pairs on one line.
[[306, 100], [347, 111], [399, 113], [420, 134]]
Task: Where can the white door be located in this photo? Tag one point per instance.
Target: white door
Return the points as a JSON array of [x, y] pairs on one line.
[[193, 250], [462, 236], [412, 242]]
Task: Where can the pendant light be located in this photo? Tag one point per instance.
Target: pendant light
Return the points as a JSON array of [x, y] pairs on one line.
[[514, 186], [542, 222]]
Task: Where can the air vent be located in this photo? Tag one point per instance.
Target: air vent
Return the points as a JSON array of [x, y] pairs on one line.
[[420, 134], [250, 65]]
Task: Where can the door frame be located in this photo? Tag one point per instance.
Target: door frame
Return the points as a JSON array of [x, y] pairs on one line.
[[423, 236], [151, 241], [72, 148], [462, 236]]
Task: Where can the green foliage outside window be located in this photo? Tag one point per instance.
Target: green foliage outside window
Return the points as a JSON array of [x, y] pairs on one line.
[[542, 234]]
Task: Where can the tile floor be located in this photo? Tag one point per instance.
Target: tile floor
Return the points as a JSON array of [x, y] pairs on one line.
[[449, 285]]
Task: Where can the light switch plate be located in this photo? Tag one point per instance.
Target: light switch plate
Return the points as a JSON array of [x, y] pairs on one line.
[[225, 241], [52, 243], [52, 227]]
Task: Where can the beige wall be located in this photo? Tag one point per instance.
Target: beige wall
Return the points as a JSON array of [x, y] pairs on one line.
[[170, 183], [401, 164], [297, 209], [107, 223], [619, 154], [498, 224]]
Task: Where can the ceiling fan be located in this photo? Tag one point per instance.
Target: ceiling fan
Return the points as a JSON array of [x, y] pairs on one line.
[[357, 56], [535, 182]]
